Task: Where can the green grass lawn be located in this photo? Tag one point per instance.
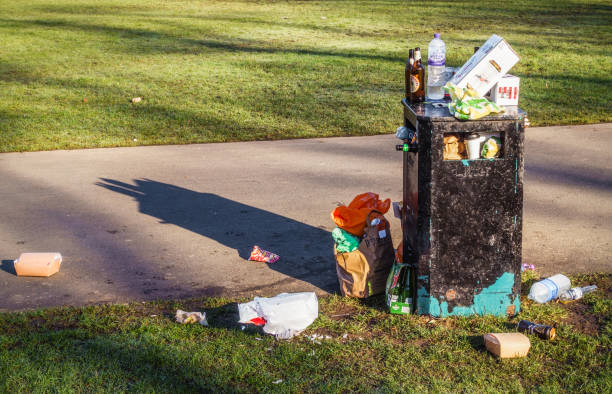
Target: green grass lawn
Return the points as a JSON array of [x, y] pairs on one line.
[[213, 71], [138, 347]]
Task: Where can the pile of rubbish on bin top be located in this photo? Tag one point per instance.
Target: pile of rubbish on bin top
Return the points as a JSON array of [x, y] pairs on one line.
[[484, 74]]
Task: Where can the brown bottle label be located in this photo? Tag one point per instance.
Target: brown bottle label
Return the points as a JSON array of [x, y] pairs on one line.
[[414, 86]]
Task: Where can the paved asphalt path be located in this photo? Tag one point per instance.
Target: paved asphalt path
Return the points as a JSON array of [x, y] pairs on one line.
[[178, 221]]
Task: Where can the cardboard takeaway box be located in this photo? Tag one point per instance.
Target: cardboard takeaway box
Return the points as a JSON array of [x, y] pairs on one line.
[[506, 91], [38, 264], [487, 66], [508, 344]]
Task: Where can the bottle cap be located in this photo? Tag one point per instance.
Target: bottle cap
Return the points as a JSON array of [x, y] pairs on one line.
[[436, 35]]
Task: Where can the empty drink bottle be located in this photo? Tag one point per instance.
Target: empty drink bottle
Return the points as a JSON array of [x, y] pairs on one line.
[[576, 293], [549, 289], [541, 330], [436, 60]]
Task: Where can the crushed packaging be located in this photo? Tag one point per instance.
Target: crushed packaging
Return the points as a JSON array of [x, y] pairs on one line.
[[506, 91], [487, 66]]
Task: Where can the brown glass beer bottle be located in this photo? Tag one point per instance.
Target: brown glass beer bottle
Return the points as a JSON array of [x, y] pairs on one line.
[[407, 72], [417, 79]]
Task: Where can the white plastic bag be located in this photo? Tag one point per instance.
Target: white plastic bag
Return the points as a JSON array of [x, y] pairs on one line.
[[285, 314]]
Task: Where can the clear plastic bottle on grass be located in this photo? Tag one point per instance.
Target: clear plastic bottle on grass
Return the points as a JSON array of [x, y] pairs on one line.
[[576, 293], [549, 289]]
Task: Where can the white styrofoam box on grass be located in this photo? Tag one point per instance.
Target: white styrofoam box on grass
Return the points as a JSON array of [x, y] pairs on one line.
[[506, 91], [487, 66]]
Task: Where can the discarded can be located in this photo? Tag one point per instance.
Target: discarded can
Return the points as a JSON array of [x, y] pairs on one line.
[[541, 330]]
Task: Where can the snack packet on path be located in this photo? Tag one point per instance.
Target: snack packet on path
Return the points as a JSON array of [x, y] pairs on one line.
[[259, 254]]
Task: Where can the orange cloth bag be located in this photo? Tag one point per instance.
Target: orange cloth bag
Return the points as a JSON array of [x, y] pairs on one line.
[[353, 217]]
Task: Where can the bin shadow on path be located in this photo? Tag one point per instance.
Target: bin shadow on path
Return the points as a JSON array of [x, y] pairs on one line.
[[305, 251]]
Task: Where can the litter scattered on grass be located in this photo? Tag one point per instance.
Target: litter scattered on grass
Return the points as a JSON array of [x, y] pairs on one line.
[[284, 315], [136, 100], [191, 317]]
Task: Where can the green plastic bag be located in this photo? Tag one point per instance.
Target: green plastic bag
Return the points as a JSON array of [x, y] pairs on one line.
[[345, 241]]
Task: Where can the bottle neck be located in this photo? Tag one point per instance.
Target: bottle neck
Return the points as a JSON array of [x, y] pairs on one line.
[[417, 56]]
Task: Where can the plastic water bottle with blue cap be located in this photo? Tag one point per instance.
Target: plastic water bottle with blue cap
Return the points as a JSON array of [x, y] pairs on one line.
[[549, 289]]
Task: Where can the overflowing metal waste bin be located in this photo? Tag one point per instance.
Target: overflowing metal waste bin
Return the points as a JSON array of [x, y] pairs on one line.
[[462, 219]]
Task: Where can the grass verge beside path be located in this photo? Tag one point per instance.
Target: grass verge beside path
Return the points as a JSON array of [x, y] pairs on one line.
[[212, 71], [138, 347]]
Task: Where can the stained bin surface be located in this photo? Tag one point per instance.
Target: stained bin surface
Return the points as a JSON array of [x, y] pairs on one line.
[[468, 214]]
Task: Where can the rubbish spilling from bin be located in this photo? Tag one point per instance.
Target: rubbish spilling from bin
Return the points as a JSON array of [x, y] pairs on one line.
[[364, 254], [464, 226], [285, 315], [191, 317], [467, 104], [38, 264], [484, 74], [507, 345], [258, 254], [486, 66]]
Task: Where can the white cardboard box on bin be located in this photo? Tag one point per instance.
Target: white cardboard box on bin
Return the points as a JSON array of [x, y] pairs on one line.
[[487, 66], [506, 91]]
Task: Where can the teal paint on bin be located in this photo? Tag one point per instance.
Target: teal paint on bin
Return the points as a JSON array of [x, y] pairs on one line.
[[492, 300]]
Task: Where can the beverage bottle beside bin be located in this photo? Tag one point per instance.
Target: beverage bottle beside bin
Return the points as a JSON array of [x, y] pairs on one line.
[[417, 79], [541, 330], [407, 72], [549, 289], [436, 65], [576, 293]]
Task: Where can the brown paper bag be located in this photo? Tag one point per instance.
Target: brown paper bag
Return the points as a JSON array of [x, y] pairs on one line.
[[364, 271], [352, 269], [38, 264]]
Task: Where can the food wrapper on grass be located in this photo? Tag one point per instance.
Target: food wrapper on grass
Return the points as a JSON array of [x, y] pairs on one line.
[[490, 148], [264, 256], [191, 317], [467, 105]]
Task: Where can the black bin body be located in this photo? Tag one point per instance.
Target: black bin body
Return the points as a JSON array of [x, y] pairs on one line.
[[462, 219]]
